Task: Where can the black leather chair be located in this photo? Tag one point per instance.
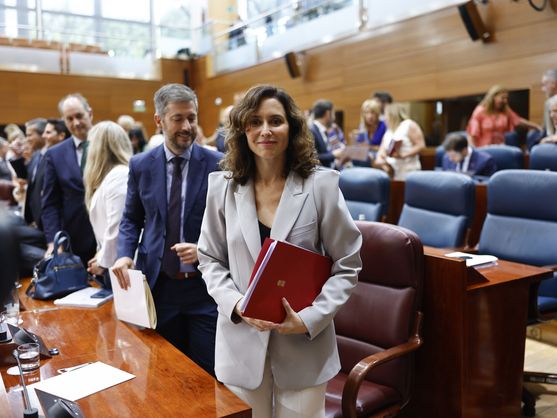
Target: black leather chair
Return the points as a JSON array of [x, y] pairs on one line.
[[438, 206], [544, 157], [366, 191], [379, 327], [521, 226]]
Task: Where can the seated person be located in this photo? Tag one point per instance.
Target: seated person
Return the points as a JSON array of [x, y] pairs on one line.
[[552, 139], [461, 157]]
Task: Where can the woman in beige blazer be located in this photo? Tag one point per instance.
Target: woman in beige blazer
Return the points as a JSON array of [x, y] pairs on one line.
[[271, 187]]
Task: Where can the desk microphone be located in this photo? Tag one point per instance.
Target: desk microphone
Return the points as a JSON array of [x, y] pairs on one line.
[[29, 411]]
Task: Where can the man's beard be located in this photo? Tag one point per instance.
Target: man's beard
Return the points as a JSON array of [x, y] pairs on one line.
[[180, 145]]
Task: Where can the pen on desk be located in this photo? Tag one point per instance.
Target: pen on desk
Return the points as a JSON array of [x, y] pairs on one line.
[[69, 369]]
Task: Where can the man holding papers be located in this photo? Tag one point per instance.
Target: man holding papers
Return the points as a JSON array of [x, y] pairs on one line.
[[273, 189], [167, 187]]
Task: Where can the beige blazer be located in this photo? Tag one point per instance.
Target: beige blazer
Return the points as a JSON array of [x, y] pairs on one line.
[[312, 214]]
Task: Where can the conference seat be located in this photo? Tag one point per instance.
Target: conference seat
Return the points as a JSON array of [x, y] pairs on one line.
[[506, 157], [366, 191], [544, 157], [521, 226], [379, 327], [438, 206], [439, 154]]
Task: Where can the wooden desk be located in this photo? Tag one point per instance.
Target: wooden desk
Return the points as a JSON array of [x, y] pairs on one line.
[[396, 202], [472, 359], [167, 383]]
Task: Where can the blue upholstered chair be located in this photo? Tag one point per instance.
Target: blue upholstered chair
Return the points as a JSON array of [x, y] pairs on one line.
[[438, 206], [544, 157], [366, 191], [506, 157], [439, 154], [521, 226]]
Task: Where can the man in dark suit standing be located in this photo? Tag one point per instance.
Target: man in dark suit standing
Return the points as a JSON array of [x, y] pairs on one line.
[[166, 195], [63, 195], [460, 156], [54, 132], [323, 117]]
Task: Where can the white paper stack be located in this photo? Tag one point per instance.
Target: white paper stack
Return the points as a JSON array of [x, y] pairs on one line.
[[474, 260], [84, 381]]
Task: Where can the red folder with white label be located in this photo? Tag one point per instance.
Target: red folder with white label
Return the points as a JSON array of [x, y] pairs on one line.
[[284, 270]]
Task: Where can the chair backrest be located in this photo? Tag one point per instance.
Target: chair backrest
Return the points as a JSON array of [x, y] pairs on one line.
[[366, 191], [521, 221], [506, 157], [382, 308], [438, 206], [544, 157], [439, 154]]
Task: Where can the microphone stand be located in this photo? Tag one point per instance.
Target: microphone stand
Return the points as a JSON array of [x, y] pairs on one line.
[[29, 411]]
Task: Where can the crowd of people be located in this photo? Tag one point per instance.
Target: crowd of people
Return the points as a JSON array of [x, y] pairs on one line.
[[193, 216]]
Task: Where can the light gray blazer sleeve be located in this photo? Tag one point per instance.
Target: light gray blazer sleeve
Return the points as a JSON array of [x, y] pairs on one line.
[[212, 248], [341, 240]]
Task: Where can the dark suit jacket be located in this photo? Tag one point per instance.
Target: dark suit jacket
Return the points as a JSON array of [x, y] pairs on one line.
[[481, 164], [5, 173], [325, 156], [34, 186], [63, 199], [146, 205]]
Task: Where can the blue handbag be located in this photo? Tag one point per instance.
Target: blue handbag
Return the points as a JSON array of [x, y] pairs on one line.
[[59, 274]]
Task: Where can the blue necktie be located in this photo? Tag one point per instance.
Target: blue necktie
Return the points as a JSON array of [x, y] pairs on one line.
[[170, 261]]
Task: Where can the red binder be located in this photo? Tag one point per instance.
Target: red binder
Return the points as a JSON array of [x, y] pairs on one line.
[[284, 270]]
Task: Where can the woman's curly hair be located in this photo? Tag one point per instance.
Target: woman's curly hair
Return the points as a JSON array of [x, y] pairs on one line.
[[301, 156]]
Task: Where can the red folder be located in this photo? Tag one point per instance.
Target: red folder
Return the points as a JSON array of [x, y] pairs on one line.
[[284, 270]]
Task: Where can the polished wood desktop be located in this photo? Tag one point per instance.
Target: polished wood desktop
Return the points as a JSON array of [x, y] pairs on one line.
[[471, 362], [167, 383]]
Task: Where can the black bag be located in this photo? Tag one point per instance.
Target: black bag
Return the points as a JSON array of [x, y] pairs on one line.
[[60, 274]]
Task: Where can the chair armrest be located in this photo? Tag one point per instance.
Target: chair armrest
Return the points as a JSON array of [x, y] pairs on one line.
[[360, 370]]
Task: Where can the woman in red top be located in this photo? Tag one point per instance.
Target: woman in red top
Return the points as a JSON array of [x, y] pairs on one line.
[[493, 118]]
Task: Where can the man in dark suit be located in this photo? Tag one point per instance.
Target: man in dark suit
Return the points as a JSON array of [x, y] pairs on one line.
[[323, 117], [460, 156], [54, 132], [5, 172], [63, 194], [166, 195]]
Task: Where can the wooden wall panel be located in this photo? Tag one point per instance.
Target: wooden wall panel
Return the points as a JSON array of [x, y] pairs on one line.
[[423, 58], [28, 95]]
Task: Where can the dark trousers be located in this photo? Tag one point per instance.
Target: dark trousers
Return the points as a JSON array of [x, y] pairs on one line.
[[187, 318]]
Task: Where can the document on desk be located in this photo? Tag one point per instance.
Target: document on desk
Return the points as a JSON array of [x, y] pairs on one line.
[[135, 304], [82, 299], [83, 381]]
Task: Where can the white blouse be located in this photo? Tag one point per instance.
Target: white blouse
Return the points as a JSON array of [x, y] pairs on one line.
[[107, 207]]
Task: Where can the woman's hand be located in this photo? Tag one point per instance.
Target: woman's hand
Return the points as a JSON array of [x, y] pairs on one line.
[[258, 324], [94, 268], [292, 324]]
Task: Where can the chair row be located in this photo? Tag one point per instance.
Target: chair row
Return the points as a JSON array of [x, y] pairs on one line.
[[542, 157], [521, 221]]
